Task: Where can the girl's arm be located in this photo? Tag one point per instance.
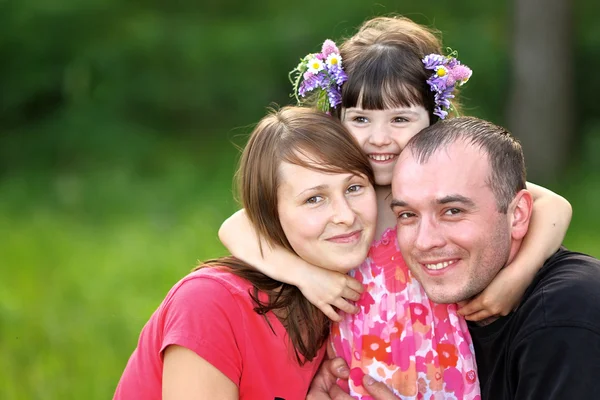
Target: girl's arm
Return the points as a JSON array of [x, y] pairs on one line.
[[549, 223], [323, 288], [187, 376]]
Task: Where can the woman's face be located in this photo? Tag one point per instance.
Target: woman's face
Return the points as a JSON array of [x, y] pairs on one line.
[[382, 134], [328, 218]]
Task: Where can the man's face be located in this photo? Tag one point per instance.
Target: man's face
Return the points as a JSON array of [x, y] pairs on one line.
[[449, 229]]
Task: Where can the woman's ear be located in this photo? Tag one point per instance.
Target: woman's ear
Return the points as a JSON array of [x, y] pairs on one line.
[[520, 211]]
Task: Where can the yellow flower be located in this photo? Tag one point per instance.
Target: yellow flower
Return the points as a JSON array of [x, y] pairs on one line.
[[334, 60], [441, 71], [315, 65]]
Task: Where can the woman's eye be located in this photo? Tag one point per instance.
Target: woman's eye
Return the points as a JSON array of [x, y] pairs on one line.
[[354, 188], [314, 200]]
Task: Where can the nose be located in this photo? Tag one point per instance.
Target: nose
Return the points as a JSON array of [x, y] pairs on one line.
[[342, 212], [429, 235], [380, 135]]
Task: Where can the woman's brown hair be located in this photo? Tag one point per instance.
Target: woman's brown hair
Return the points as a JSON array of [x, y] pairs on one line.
[[384, 67], [311, 139]]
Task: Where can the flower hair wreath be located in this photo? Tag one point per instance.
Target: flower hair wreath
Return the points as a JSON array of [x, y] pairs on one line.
[[320, 75], [448, 73]]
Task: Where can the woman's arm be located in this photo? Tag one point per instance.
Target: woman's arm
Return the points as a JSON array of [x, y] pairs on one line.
[[187, 376], [549, 223], [323, 288]]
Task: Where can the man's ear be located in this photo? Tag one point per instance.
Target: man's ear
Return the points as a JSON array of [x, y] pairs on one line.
[[520, 211]]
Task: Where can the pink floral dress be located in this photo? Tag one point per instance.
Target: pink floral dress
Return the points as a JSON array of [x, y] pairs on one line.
[[420, 349]]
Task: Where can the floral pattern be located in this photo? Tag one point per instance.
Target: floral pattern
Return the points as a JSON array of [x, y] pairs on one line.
[[420, 349]]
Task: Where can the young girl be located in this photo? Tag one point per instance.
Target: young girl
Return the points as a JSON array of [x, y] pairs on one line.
[[228, 331], [392, 87]]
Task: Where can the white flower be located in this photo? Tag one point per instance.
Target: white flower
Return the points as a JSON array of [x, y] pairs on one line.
[[441, 71], [315, 65], [334, 60]]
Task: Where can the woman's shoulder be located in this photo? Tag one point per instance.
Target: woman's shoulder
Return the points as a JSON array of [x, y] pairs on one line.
[[213, 281]]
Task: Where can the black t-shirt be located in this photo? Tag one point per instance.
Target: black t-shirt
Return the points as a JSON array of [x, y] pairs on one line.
[[549, 348]]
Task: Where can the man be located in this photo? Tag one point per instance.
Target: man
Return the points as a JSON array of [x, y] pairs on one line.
[[463, 211]]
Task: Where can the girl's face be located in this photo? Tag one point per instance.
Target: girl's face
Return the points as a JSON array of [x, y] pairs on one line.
[[328, 218], [382, 134]]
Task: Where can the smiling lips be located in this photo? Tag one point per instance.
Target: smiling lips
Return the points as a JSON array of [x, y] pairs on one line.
[[438, 266], [346, 238], [382, 157]]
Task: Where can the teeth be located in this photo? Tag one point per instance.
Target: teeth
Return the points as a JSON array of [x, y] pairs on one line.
[[381, 157], [439, 265]]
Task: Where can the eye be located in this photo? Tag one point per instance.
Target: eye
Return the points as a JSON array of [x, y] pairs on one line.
[[314, 200], [400, 120], [360, 119], [405, 215], [354, 188], [453, 211]]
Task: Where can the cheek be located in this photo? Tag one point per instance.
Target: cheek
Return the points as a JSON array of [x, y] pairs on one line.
[[366, 207], [360, 135], [300, 225], [406, 237]]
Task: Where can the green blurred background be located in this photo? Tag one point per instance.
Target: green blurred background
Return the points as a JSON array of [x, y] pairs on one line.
[[118, 126]]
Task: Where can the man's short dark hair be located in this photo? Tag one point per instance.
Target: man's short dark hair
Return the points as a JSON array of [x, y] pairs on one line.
[[504, 152]]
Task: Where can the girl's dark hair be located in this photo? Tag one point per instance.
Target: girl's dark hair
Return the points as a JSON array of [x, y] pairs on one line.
[[311, 139], [384, 67]]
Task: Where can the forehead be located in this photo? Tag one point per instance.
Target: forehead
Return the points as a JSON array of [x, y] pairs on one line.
[[296, 178], [459, 168]]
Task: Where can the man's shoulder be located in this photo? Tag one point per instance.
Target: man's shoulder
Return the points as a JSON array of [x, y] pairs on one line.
[[565, 292]]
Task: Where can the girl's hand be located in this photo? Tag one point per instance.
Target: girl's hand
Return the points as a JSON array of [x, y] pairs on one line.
[[329, 290], [500, 298]]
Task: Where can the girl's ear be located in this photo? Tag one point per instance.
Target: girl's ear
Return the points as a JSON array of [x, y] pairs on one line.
[[520, 211]]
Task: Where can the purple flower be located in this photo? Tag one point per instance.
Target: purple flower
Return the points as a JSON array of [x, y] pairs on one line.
[[443, 86], [461, 73], [334, 96], [328, 48], [338, 75], [310, 82], [433, 60]]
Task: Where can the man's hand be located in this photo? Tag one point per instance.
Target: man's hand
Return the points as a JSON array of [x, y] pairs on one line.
[[324, 386], [378, 390]]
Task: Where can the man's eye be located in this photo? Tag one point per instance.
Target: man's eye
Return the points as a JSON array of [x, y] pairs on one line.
[[405, 215], [453, 211]]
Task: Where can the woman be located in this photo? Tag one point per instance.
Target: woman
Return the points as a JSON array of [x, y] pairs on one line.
[[227, 329]]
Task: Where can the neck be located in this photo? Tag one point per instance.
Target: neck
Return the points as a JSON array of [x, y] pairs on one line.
[[385, 217]]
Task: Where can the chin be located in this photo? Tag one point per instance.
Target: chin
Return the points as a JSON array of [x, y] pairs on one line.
[[441, 297]]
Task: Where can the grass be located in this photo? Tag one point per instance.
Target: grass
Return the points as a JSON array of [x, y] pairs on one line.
[[86, 257]]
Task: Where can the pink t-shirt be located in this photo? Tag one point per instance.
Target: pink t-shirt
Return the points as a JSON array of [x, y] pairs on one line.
[[211, 313]]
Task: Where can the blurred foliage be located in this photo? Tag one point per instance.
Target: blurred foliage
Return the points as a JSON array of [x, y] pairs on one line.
[[117, 125]]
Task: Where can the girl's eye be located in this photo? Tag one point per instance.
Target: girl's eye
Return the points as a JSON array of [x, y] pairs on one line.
[[354, 188], [400, 119], [361, 120], [314, 200]]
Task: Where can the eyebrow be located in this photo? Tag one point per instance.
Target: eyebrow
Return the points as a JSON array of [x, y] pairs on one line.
[[453, 198], [323, 187]]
